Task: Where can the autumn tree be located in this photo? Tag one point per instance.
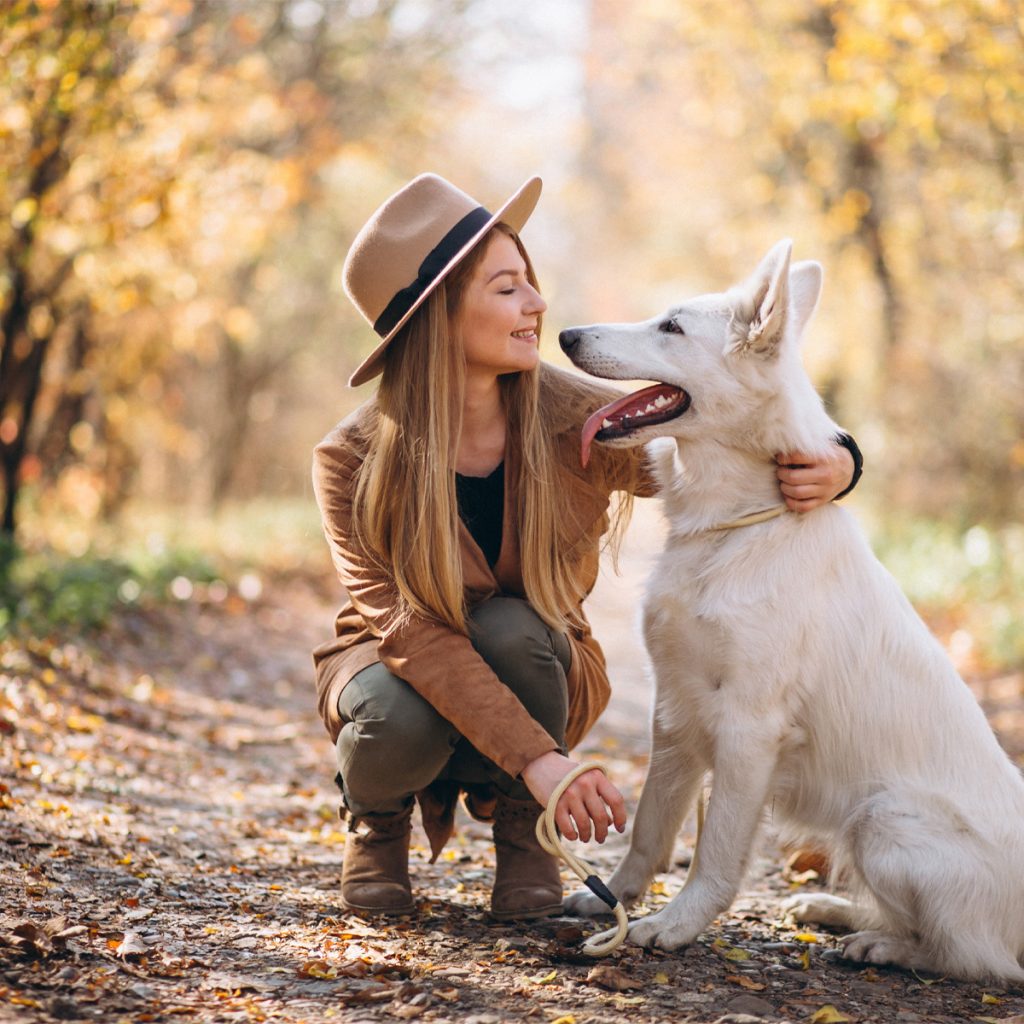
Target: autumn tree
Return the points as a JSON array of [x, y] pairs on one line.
[[889, 136], [160, 159]]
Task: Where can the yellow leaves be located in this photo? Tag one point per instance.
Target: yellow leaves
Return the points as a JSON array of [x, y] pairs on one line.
[[990, 999], [658, 889], [544, 979], [807, 937], [25, 1001], [828, 1014], [48, 807], [727, 952], [83, 722], [318, 969], [566, 1018], [846, 214], [24, 211], [240, 324]]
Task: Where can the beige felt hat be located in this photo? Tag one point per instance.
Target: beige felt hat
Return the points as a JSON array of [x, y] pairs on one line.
[[408, 247]]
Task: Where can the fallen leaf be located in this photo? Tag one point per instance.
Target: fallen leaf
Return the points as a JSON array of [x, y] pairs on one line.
[[567, 1018], [407, 1011], [991, 1000], [727, 952], [661, 978], [807, 937], [828, 1014], [630, 1000], [745, 982], [318, 969], [131, 945], [807, 860], [544, 979], [613, 979]]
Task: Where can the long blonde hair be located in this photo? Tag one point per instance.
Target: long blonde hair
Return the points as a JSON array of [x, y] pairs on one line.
[[406, 509]]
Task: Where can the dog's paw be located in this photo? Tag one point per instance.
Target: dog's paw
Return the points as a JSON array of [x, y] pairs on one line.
[[658, 931], [585, 904], [819, 908], [873, 947]]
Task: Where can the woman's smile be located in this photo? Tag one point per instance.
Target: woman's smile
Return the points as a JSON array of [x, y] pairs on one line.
[[499, 318]]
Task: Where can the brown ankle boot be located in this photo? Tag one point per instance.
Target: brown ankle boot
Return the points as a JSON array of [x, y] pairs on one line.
[[375, 878], [526, 880]]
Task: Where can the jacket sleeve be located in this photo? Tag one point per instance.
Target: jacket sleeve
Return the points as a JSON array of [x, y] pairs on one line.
[[439, 663]]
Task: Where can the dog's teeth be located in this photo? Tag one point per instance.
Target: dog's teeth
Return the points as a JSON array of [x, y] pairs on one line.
[[661, 401], [605, 424]]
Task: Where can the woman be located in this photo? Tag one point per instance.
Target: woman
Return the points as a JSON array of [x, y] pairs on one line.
[[466, 534]]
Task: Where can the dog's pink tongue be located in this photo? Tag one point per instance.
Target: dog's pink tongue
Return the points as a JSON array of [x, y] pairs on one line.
[[637, 405], [596, 419], [590, 429]]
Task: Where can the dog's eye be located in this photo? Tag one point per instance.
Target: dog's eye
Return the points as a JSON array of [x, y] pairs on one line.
[[671, 327]]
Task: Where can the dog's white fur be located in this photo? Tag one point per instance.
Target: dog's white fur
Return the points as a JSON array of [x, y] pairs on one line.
[[789, 664]]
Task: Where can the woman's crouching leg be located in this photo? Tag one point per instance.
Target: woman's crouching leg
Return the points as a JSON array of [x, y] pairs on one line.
[[392, 745], [532, 660]]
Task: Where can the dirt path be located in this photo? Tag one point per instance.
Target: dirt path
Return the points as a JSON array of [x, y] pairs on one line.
[[169, 851]]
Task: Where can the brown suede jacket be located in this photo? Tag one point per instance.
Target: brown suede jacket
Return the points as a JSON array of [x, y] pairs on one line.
[[439, 663]]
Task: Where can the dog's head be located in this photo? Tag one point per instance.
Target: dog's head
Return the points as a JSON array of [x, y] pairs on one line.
[[719, 360]]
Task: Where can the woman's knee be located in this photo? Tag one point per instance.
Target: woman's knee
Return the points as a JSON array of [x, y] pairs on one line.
[[504, 628], [527, 656], [393, 742]]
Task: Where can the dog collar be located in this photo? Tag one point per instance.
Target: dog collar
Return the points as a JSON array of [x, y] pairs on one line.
[[755, 517]]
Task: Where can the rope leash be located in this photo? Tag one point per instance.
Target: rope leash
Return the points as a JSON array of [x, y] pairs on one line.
[[548, 837], [604, 942]]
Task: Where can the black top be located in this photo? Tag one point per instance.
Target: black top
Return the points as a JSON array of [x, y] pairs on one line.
[[482, 509]]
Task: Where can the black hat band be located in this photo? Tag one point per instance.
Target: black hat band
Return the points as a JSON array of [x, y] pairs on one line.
[[430, 269]]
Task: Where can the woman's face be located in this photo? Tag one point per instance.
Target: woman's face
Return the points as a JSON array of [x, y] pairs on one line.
[[498, 315]]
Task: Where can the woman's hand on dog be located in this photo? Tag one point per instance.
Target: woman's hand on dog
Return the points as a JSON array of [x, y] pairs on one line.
[[808, 482], [590, 804]]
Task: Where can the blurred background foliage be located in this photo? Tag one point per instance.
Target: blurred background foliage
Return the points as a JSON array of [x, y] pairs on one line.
[[179, 182]]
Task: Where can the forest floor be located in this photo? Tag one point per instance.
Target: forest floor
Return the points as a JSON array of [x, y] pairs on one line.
[[170, 851]]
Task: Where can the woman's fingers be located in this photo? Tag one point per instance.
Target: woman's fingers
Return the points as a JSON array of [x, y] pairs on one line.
[[804, 487], [563, 819], [615, 801], [589, 807], [808, 481]]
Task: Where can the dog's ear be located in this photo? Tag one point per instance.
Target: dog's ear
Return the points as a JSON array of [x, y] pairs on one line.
[[760, 305], [804, 290]]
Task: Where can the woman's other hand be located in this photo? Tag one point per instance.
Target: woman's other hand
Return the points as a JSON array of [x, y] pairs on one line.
[[589, 806], [808, 482]]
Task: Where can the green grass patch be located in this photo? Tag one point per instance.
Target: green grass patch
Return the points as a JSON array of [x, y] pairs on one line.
[[973, 577], [74, 574], [46, 592]]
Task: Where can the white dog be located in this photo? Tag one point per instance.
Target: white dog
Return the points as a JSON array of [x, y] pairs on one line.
[[788, 662]]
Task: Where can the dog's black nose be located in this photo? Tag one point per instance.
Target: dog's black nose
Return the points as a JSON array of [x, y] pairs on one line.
[[569, 339]]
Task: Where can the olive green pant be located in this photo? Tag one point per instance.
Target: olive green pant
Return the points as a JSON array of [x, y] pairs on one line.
[[393, 743]]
